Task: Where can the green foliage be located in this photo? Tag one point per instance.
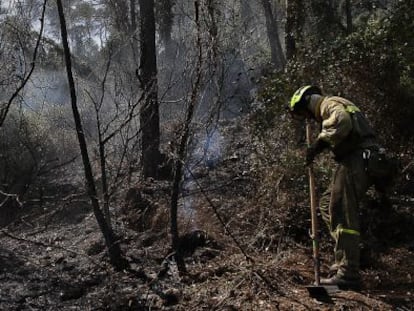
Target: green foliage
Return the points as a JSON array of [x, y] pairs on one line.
[[373, 67]]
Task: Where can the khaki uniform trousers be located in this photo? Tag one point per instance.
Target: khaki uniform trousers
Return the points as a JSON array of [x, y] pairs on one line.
[[339, 207]]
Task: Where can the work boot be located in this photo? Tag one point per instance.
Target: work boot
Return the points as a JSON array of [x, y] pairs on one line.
[[342, 282]]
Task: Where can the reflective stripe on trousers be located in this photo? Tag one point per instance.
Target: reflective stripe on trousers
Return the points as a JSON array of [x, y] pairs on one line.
[[347, 231]]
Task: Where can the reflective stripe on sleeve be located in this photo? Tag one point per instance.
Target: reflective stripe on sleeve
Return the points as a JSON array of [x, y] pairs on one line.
[[348, 231]]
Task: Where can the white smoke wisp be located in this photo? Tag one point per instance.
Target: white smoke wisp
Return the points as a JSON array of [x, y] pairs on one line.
[[205, 156], [189, 213], [209, 152]]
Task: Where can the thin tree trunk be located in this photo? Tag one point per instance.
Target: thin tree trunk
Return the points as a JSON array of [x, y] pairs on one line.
[[278, 59], [182, 149], [149, 114], [102, 150], [104, 180], [101, 144], [114, 250]]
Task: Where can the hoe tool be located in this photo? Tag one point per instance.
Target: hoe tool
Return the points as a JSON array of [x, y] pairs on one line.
[[317, 290]]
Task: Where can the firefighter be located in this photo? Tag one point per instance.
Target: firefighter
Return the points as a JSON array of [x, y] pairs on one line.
[[346, 132]]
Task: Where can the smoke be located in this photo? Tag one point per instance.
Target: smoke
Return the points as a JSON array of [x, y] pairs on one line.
[[207, 151], [205, 154], [190, 212], [46, 87]]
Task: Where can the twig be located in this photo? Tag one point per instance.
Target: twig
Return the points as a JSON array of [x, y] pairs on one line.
[[183, 144], [57, 166], [407, 166], [10, 195]]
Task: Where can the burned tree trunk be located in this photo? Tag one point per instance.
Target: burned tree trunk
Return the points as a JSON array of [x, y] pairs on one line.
[[114, 250], [149, 114]]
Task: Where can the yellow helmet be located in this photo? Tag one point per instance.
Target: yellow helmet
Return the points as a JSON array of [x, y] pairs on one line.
[[297, 100]]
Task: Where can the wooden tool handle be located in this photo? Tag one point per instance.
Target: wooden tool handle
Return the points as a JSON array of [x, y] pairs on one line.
[[314, 217]]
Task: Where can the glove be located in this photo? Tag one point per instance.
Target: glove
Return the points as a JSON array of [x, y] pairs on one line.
[[313, 150]]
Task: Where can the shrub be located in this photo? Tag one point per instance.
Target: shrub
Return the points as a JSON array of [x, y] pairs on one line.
[[31, 151]]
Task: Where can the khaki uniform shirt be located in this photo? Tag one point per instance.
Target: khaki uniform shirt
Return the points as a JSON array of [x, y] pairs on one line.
[[342, 125]]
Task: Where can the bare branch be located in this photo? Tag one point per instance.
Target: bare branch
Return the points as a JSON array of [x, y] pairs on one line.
[[5, 110], [8, 196]]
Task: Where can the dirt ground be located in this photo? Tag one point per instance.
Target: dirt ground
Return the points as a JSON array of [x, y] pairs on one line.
[[54, 259]]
